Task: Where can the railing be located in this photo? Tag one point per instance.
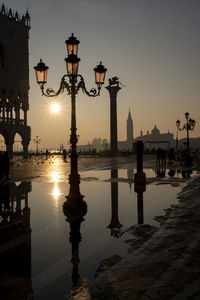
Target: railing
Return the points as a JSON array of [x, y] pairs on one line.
[[9, 121]]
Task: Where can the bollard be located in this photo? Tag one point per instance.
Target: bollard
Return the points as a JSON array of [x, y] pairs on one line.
[[140, 182]]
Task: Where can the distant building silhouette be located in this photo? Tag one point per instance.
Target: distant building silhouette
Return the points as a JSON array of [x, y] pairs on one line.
[[155, 139], [14, 78], [152, 140]]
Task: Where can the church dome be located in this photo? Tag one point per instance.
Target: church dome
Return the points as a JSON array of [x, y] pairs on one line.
[[155, 130]]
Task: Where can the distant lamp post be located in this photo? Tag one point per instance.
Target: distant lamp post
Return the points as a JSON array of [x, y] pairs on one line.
[[189, 125], [37, 141], [72, 82]]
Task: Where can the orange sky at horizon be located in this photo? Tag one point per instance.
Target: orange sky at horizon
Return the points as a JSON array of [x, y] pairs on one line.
[[153, 46]]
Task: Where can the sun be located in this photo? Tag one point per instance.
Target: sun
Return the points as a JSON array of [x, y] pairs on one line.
[[55, 108]]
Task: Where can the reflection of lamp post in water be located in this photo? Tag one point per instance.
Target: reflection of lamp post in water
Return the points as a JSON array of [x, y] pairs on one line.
[[37, 141], [75, 208], [189, 125], [114, 225]]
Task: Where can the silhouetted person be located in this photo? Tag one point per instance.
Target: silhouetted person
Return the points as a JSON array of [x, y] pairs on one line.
[[186, 173], [163, 156], [160, 172], [171, 155], [64, 154], [46, 153], [158, 155], [171, 173]]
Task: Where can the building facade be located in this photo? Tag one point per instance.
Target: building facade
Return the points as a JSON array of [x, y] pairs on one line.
[[14, 78], [155, 139]]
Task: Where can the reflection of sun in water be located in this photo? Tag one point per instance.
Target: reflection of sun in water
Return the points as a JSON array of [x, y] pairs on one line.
[[55, 108], [55, 176], [56, 192]]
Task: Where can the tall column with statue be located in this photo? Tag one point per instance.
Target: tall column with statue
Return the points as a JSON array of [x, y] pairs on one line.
[[113, 89]]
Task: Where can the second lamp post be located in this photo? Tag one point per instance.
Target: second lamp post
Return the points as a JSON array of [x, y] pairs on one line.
[[189, 125]]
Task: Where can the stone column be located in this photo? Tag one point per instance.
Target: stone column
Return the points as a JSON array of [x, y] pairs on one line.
[[140, 181], [9, 148], [3, 114], [25, 149], [25, 117], [11, 114], [113, 90]]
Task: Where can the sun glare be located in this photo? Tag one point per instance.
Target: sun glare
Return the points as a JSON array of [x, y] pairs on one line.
[[55, 108]]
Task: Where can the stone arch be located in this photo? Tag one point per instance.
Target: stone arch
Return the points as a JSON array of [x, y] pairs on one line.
[[6, 134], [2, 142], [18, 144], [8, 137]]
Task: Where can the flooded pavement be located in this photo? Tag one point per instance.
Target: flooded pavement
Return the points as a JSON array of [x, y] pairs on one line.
[[43, 253]]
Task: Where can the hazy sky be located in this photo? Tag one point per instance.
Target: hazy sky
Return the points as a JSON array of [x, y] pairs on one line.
[[152, 45]]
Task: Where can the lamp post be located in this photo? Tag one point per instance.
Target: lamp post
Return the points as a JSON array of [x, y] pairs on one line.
[[37, 141], [189, 125], [72, 82]]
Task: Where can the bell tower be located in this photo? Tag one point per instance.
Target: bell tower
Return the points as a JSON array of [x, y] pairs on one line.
[[14, 78], [129, 127]]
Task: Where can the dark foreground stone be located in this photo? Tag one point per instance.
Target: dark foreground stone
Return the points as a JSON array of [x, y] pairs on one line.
[[165, 265]]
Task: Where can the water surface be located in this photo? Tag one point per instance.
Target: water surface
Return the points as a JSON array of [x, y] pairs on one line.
[[41, 232]]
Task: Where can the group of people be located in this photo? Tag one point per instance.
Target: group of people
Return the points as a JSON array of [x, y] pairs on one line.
[[4, 164], [64, 153], [161, 172], [161, 156]]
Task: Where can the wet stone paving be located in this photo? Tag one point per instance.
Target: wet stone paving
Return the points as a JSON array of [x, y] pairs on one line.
[[146, 237]]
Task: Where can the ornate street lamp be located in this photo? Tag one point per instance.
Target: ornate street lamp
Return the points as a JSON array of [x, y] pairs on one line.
[[189, 125], [41, 72], [37, 141], [72, 82], [72, 45]]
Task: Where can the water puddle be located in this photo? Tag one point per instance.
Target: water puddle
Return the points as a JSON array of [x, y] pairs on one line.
[[40, 247]]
